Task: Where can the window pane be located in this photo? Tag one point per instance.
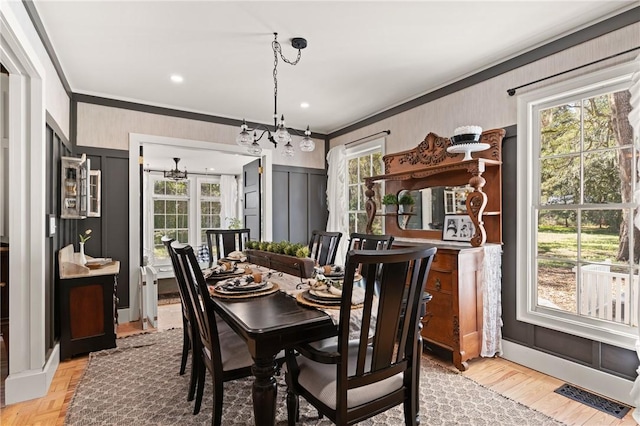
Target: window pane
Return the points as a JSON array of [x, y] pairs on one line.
[[560, 180], [600, 236], [352, 222], [205, 189], [170, 206], [158, 221], [183, 235], [365, 166], [353, 197], [597, 132], [557, 285], [158, 206], [378, 168], [362, 223], [602, 177], [216, 208], [215, 221], [183, 221], [557, 234], [352, 166], [158, 187], [215, 189], [560, 131]]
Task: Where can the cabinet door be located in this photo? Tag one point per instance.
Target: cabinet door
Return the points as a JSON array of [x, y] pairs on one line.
[[439, 328]]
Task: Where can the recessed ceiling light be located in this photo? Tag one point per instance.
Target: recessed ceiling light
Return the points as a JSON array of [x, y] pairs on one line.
[[177, 78], [304, 105]]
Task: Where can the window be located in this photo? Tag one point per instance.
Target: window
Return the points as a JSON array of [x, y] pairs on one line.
[[578, 248], [210, 208], [170, 214], [363, 161], [183, 210]]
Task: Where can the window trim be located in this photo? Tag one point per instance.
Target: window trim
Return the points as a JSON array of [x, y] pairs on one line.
[[528, 190]]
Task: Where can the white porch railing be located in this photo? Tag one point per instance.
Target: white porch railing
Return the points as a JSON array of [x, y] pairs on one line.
[[608, 295]]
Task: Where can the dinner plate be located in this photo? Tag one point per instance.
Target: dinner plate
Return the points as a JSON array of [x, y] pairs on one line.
[[335, 275], [319, 300], [322, 294], [224, 274], [263, 286]]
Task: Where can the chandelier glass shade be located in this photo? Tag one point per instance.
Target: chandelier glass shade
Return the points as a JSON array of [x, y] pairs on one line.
[[249, 138], [176, 174]]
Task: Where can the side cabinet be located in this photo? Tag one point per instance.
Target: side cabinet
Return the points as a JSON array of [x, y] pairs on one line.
[[454, 314], [86, 311]]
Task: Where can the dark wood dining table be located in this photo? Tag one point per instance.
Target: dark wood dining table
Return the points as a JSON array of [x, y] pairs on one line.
[[270, 324]]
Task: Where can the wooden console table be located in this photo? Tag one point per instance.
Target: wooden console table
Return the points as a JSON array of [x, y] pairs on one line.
[[86, 305]]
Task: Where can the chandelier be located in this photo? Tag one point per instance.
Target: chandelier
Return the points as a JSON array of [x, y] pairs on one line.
[[176, 174], [280, 133]]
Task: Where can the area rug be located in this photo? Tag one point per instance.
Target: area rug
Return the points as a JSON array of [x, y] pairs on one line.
[[137, 383]]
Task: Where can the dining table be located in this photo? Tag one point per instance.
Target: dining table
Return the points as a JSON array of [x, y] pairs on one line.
[[272, 322]]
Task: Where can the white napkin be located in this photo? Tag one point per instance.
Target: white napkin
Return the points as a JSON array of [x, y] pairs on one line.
[[357, 294]]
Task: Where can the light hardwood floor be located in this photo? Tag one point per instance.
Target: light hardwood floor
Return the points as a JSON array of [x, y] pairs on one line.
[[514, 381]]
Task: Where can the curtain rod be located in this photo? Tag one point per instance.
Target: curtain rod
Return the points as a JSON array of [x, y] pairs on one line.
[[388, 132], [190, 173], [512, 92]]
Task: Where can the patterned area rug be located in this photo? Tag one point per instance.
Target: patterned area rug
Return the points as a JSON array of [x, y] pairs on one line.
[[137, 383]]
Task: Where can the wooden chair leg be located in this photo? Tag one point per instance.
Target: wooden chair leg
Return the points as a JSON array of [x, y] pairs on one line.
[[200, 388], [193, 381], [186, 344], [216, 416]]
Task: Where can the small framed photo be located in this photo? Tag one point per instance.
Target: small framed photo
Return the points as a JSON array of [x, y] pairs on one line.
[[457, 227]]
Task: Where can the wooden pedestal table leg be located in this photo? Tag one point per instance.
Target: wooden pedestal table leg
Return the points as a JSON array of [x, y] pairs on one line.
[[264, 391]]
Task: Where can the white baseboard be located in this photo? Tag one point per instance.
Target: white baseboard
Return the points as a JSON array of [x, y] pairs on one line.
[[599, 382], [31, 384]]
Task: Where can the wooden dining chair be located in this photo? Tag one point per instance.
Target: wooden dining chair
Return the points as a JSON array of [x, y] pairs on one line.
[[226, 241], [188, 322], [357, 379], [222, 351], [323, 246], [358, 241]]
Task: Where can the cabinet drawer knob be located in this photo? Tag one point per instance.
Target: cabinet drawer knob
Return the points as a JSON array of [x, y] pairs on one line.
[[438, 284]]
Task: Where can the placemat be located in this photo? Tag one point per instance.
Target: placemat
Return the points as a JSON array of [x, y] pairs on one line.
[[247, 295], [304, 301]]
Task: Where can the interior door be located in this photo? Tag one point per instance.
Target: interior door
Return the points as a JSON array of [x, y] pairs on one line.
[[252, 199]]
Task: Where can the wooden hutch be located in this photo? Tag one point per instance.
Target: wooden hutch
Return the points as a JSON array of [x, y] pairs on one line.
[[456, 315]]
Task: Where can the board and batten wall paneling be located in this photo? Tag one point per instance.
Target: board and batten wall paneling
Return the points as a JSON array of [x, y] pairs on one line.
[[298, 207], [318, 197], [102, 126], [300, 203], [110, 231], [487, 104], [281, 205]]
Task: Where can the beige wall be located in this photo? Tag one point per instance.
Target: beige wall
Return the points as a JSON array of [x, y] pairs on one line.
[[487, 104], [109, 127], [56, 100]]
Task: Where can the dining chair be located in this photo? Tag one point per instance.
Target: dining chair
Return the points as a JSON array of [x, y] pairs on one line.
[[226, 241], [188, 322], [221, 350], [358, 241], [323, 246], [359, 378]]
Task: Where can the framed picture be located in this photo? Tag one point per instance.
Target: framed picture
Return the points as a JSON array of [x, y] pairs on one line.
[[457, 227]]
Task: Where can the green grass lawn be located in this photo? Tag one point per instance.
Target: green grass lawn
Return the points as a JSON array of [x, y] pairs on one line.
[[560, 242]]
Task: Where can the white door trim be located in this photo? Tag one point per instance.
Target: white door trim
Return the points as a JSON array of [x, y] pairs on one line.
[[30, 372]]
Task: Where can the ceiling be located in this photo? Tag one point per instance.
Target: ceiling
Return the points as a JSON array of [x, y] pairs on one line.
[[362, 57]]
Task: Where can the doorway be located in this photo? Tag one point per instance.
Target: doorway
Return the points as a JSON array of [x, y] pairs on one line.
[[158, 153]]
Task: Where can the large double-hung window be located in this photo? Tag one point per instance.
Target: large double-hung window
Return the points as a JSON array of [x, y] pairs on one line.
[[182, 210], [578, 247]]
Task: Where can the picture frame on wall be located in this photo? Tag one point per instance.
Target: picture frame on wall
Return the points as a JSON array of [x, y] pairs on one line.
[[458, 227]]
